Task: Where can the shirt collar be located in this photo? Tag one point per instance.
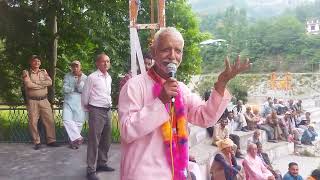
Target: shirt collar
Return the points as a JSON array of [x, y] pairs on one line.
[[34, 72], [155, 76], [101, 74]]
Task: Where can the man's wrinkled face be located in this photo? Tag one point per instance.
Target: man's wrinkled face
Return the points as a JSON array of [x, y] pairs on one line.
[[253, 150], [35, 63], [76, 69], [168, 49], [103, 63], [294, 170]]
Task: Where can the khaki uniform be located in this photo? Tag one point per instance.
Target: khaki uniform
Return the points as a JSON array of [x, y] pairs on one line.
[[35, 84]]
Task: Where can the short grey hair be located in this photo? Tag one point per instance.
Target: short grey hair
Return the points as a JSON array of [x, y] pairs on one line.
[[165, 30], [100, 55]]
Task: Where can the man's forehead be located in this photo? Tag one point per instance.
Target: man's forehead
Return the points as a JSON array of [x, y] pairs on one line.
[[171, 35], [75, 65], [34, 59]]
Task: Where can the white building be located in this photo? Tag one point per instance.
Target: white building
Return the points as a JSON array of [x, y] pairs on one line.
[[313, 26]]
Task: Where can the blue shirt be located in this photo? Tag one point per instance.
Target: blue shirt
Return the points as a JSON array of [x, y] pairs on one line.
[[288, 176]]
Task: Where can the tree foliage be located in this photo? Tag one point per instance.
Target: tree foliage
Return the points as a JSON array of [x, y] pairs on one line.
[[274, 44], [85, 28]]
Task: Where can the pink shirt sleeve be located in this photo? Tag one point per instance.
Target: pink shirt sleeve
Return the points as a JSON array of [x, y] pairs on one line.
[[203, 113], [138, 119]]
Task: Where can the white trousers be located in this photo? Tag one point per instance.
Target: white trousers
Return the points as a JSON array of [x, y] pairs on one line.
[[73, 129]]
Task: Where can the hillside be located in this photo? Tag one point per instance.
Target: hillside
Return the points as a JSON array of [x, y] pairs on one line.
[[255, 8]]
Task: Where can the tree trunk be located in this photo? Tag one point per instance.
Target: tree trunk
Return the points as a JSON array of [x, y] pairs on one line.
[[53, 54]]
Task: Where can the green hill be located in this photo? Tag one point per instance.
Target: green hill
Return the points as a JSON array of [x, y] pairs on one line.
[[255, 8]]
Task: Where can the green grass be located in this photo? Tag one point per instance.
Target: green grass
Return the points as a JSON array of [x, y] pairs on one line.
[[14, 126]]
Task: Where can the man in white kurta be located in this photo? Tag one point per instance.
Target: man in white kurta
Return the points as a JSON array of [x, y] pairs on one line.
[[73, 112]]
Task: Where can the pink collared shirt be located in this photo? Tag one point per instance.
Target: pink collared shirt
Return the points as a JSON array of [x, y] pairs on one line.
[[97, 90], [141, 115], [255, 168]]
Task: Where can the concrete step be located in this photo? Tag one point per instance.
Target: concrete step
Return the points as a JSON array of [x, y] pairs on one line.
[[278, 150], [198, 134], [244, 136]]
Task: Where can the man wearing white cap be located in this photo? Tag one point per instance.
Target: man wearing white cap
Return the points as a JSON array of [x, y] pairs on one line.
[[73, 113]]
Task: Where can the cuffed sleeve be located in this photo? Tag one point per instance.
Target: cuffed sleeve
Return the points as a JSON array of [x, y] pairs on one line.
[[203, 113]]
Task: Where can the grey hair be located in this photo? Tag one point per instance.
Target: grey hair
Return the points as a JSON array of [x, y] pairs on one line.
[[165, 30], [100, 55]]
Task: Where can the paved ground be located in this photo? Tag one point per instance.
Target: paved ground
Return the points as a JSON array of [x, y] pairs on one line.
[[21, 162]]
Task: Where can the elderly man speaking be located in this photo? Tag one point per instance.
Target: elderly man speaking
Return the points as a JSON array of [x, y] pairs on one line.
[[154, 109]]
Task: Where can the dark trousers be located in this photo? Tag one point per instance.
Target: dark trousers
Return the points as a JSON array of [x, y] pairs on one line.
[[235, 139], [99, 137]]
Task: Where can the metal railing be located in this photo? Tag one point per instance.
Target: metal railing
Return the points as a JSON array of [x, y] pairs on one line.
[[14, 126]]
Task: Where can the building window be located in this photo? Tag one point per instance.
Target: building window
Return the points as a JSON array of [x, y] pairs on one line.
[[313, 28]]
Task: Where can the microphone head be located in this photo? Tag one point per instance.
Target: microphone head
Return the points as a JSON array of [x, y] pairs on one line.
[[172, 69]]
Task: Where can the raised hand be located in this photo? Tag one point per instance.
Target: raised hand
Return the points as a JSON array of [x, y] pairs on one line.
[[230, 71]]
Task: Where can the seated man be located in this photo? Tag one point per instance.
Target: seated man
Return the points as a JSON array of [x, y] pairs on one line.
[[238, 112], [255, 138], [293, 173], [305, 121], [250, 119], [268, 128], [267, 107], [287, 124], [266, 161], [221, 131], [254, 167], [258, 117], [224, 165], [309, 135]]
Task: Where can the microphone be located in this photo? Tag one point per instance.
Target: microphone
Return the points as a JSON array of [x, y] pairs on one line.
[[172, 69]]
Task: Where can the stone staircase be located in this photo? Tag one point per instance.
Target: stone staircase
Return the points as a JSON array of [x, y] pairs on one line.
[[201, 148]]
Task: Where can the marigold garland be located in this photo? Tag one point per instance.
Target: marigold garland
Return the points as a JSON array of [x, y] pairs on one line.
[[175, 128]]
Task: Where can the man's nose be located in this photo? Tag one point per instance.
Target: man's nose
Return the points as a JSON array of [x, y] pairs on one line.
[[172, 54]]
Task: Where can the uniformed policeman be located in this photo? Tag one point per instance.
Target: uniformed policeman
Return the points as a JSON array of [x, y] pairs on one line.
[[36, 81]]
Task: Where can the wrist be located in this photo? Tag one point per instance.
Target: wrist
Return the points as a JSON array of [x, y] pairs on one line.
[[220, 85]]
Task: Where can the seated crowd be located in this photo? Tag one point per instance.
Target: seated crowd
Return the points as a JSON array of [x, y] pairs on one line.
[[281, 122]]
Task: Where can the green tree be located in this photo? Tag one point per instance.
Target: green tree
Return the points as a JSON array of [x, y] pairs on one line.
[[85, 28]]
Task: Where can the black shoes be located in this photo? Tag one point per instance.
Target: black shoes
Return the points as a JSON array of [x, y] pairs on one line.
[[37, 147], [53, 144], [92, 176], [105, 168]]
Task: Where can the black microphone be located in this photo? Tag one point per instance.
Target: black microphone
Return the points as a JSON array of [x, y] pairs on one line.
[[172, 69]]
